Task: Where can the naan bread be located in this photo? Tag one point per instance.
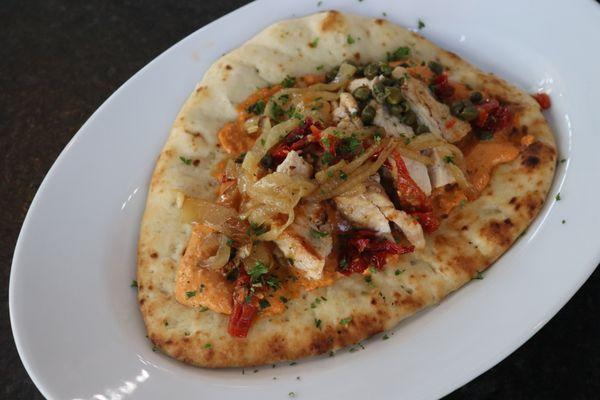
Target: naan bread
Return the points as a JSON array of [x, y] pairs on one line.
[[468, 241]]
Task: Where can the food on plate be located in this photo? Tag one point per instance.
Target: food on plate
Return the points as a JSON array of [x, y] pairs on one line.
[[327, 179]]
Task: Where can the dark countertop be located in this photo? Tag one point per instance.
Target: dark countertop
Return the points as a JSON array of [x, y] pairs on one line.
[[61, 60]]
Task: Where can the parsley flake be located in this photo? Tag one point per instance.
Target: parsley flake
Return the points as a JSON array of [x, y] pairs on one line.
[[327, 158], [478, 275], [283, 299], [557, 197], [186, 161], [449, 159], [318, 234], [134, 284], [385, 337], [189, 294], [398, 272], [256, 229], [264, 303], [318, 323], [401, 53], [288, 81], [420, 24], [257, 108], [257, 271], [314, 43], [343, 175], [320, 67], [345, 321], [207, 345], [350, 39]]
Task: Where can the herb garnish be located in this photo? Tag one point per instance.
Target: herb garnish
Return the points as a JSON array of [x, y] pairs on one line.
[[207, 346], [318, 323], [257, 271], [288, 81], [449, 159], [264, 303], [257, 108], [314, 43], [420, 24], [318, 234], [257, 229], [401, 53], [350, 39], [134, 284], [189, 294], [557, 197], [186, 161], [345, 321]]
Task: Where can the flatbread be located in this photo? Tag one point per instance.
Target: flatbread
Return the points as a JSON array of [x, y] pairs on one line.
[[467, 242]]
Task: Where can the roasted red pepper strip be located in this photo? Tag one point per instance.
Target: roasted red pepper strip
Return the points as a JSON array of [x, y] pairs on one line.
[[492, 116], [543, 100], [409, 192], [427, 219], [364, 248], [244, 307]]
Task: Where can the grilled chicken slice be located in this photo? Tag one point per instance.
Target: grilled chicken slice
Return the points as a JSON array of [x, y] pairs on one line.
[[359, 210], [374, 210], [347, 110], [407, 224], [418, 172], [389, 123], [307, 241], [294, 165], [438, 172], [430, 112]]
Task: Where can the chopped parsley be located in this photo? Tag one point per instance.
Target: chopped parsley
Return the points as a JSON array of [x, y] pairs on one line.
[[369, 281], [327, 158], [283, 299], [202, 287], [349, 145], [186, 161], [385, 337], [343, 175], [485, 135], [420, 24], [564, 221], [401, 53], [564, 160], [314, 43], [557, 197], [315, 303], [256, 229], [330, 174], [384, 14], [288, 81], [204, 309], [350, 39], [257, 108], [343, 263], [345, 321], [318, 234], [134, 284], [398, 272], [207, 346], [273, 282], [319, 3], [257, 271], [263, 142], [284, 98], [229, 242], [318, 323], [377, 137], [449, 159], [189, 294], [291, 394], [478, 275], [320, 67], [276, 111], [264, 303]]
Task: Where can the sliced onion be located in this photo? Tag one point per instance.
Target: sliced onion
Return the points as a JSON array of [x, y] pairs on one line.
[[342, 78], [220, 218], [221, 257], [414, 155]]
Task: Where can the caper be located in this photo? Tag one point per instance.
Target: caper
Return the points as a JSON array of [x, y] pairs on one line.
[[395, 110], [469, 113], [404, 107], [457, 107], [421, 129], [410, 118], [331, 74], [267, 161], [371, 71], [385, 69], [389, 82], [368, 115], [379, 92], [476, 97], [362, 93], [436, 67], [394, 95]]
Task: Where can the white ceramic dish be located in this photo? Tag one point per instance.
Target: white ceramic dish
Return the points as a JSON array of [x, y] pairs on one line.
[[75, 319]]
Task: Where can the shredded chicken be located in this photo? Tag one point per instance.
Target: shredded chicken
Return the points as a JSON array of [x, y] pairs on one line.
[[430, 112], [438, 171], [307, 242], [374, 210], [389, 123], [294, 165]]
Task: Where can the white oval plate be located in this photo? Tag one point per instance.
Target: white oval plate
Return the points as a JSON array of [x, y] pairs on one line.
[[76, 321]]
